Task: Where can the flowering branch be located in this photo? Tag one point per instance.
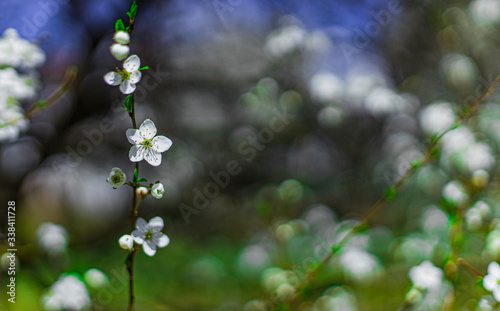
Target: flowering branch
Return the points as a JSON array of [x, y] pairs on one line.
[[146, 145], [391, 192]]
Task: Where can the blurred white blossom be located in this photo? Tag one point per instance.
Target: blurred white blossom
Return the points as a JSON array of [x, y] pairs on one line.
[[437, 117], [18, 52], [485, 11], [96, 279], [454, 192], [359, 264], [426, 276], [67, 293], [52, 238], [325, 88]]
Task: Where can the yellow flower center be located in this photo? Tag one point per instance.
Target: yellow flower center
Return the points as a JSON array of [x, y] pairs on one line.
[[147, 143]]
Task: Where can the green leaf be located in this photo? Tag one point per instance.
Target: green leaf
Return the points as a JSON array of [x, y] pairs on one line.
[[119, 25], [142, 180], [144, 68], [129, 103], [133, 10], [135, 175]]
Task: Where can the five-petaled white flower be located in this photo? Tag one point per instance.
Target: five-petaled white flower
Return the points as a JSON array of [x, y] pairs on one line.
[[157, 190], [126, 242], [127, 77], [426, 275], [116, 177], [491, 281], [146, 145], [150, 235]]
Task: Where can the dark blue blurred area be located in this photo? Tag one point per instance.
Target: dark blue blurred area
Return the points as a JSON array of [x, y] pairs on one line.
[[69, 30]]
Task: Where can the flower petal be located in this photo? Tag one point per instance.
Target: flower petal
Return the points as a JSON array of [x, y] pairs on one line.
[[156, 224], [127, 87], [112, 78], [494, 269], [152, 157], [139, 236], [496, 293], [147, 129], [161, 143], [149, 248], [136, 153], [141, 224], [133, 63], [134, 137], [489, 282], [135, 77], [163, 240]]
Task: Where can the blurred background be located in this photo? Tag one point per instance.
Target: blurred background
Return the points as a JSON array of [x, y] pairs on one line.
[[322, 105]]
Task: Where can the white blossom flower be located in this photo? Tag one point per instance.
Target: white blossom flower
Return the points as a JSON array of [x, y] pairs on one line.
[[126, 242], [119, 51], [146, 145], [426, 276], [491, 281], [128, 77], [53, 238], [18, 52], [116, 177], [68, 293], [157, 190], [150, 235], [96, 279], [121, 37], [12, 119]]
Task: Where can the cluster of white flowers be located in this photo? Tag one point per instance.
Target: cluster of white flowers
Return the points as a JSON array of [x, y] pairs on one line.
[[19, 53], [16, 53], [148, 235]]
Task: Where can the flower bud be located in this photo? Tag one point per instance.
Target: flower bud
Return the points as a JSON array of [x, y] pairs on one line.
[[126, 242], [142, 192], [157, 190], [119, 51], [116, 177], [122, 37]]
